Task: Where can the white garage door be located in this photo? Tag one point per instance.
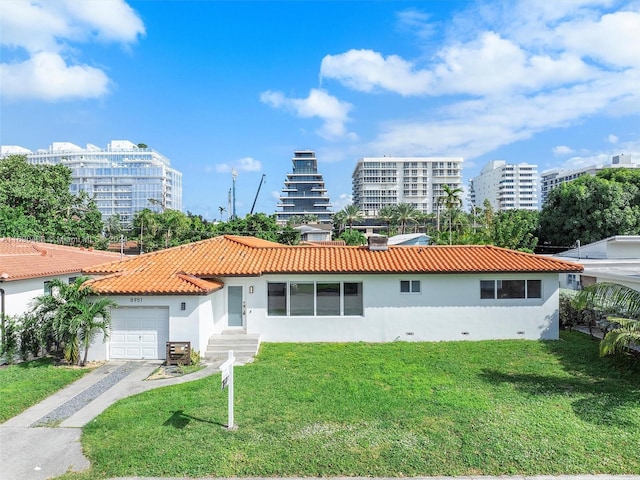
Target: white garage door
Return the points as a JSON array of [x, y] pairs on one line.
[[139, 332]]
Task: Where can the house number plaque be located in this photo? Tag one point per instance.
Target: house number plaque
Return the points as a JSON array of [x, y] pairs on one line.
[[136, 299]]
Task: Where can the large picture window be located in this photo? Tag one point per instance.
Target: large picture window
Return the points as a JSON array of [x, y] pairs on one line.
[[314, 299], [504, 289]]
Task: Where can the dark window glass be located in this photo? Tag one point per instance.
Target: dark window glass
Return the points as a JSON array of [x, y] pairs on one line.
[[534, 289], [301, 299], [415, 286], [405, 286], [511, 288], [487, 289], [353, 299], [277, 299], [328, 299]]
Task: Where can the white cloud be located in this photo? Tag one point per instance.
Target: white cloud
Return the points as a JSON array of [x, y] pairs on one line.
[[416, 22], [42, 43], [612, 139], [319, 104], [614, 39], [343, 200], [562, 150], [46, 76], [367, 71], [518, 69], [246, 164]]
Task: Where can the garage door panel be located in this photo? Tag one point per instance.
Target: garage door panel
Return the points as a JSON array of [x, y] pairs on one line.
[[139, 332]]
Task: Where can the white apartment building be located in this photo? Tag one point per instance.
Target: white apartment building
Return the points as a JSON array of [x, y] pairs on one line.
[[381, 181], [123, 178], [550, 179], [506, 186]]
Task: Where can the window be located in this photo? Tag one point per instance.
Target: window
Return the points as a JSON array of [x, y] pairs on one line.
[[72, 280], [353, 304], [503, 289], [277, 299], [328, 299], [534, 289], [314, 299], [47, 287], [409, 286], [487, 288], [300, 299]]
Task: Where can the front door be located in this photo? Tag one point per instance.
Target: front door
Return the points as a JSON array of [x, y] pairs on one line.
[[236, 308]]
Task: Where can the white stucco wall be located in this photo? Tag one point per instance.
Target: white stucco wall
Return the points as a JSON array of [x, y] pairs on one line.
[[184, 325], [448, 308], [20, 293]]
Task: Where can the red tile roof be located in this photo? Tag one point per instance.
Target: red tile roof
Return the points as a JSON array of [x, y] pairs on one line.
[[192, 268], [20, 259]]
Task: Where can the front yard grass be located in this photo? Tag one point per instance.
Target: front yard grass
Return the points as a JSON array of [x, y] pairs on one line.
[[27, 383], [396, 409]]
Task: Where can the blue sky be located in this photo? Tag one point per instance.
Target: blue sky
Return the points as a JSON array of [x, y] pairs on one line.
[[216, 85]]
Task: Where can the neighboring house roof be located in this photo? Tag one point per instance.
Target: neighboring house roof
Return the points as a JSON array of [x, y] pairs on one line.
[[21, 259], [409, 239], [192, 268], [616, 247]]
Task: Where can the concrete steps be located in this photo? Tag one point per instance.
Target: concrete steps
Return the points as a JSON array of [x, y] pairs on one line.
[[244, 345]]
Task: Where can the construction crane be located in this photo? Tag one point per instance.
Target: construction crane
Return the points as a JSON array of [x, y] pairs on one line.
[[257, 193]]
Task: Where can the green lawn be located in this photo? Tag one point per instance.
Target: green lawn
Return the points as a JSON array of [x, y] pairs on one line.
[[396, 409], [25, 384]]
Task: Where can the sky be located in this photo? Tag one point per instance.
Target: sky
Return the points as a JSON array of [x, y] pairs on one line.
[[222, 85]]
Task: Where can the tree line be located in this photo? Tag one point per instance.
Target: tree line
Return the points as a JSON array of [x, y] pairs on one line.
[[36, 203]]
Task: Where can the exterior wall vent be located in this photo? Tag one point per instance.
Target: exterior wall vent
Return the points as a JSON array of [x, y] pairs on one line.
[[377, 243]]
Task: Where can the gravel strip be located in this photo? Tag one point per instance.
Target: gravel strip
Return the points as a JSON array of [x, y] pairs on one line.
[[74, 404]]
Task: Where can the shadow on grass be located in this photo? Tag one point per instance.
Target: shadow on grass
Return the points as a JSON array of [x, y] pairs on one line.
[[603, 390], [180, 420]]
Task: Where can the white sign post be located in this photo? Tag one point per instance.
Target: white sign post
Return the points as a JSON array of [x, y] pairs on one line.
[[227, 382]]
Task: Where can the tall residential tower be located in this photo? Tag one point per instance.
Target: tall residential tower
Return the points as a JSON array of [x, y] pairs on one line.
[[505, 186], [419, 181], [123, 179], [304, 193]]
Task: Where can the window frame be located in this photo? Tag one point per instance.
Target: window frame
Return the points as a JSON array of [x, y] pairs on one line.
[[530, 288], [410, 287], [349, 301]]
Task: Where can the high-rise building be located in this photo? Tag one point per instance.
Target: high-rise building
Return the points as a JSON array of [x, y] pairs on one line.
[[550, 179], [304, 193], [506, 186], [123, 179], [381, 181]]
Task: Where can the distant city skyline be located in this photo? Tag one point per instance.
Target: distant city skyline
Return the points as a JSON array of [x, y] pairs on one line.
[[217, 86]]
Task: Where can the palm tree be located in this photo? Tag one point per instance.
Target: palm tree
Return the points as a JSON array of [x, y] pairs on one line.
[[387, 214], [621, 305], [339, 222], [405, 213], [451, 200], [70, 318], [352, 214]]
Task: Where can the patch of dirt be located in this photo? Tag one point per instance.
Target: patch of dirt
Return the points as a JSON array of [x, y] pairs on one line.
[[168, 371]]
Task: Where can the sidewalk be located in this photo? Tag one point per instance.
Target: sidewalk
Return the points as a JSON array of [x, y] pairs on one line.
[[31, 450]]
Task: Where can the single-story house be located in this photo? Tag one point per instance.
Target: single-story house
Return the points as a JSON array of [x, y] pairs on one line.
[[315, 233], [615, 259], [27, 268], [313, 293]]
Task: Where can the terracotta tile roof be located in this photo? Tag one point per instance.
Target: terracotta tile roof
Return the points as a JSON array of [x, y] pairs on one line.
[[193, 268], [21, 259]]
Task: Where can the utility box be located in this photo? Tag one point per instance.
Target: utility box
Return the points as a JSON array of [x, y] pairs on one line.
[[178, 353]]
